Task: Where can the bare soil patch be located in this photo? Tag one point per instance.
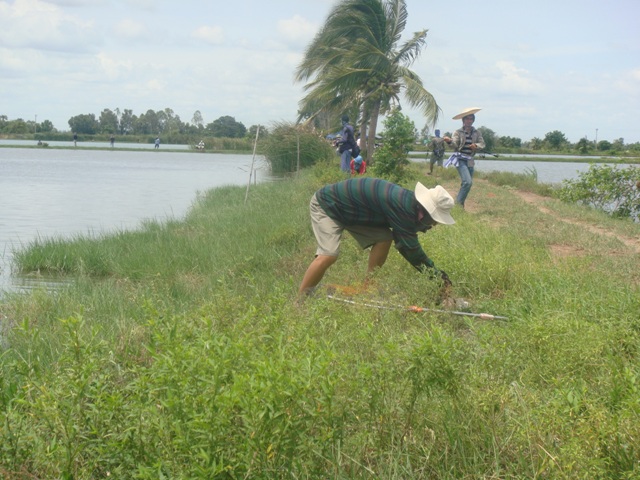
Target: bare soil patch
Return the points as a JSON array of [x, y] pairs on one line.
[[538, 201]]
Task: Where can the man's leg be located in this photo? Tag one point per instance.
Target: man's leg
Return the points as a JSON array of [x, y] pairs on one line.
[[378, 255], [345, 161], [465, 186], [315, 272]]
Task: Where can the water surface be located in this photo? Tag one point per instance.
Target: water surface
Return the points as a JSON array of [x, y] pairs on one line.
[[62, 193]]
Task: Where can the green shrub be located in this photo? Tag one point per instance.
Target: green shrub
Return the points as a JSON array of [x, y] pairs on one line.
[[289, 147], [390, 160], [607, 188]]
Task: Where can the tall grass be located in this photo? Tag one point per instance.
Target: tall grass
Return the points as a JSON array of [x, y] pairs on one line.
[[179, 352]]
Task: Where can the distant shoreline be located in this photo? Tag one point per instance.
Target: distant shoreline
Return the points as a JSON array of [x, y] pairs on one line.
[[124, 149], [548, 158]]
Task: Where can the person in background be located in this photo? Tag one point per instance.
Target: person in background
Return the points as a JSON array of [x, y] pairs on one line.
[[358, 165], [157, 142], [376, 213], [75, 139], [112, 140], [466, 141], [345, 144], [437, 151]]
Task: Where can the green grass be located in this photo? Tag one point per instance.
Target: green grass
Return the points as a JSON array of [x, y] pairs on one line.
[[179, 351]]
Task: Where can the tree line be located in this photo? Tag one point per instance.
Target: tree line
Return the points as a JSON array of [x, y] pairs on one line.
[[125, 122], [167, 123]]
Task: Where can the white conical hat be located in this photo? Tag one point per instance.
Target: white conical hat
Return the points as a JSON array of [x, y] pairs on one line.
[[437, 202], [466, 111]]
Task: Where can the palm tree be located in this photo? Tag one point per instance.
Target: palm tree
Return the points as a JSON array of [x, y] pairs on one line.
[[355, 63]]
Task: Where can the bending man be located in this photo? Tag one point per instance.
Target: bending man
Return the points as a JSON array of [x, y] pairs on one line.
[[376, 213]]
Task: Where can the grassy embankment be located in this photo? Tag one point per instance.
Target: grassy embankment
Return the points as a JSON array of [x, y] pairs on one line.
[[179, 351]]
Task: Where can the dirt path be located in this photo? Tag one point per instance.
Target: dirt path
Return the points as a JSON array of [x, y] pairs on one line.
[[538, 200]]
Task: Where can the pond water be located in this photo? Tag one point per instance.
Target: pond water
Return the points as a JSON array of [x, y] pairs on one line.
[[62, 193]]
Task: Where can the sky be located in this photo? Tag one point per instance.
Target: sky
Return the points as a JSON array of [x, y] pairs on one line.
[[533, 67]]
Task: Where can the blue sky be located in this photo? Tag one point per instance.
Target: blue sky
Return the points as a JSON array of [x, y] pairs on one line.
[[532, 67]]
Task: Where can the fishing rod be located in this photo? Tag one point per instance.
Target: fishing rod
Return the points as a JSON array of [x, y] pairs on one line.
[[415, 308], [483, 154]]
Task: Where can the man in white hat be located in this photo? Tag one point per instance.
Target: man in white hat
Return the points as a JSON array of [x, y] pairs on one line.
[[466, 141], [376, 213]]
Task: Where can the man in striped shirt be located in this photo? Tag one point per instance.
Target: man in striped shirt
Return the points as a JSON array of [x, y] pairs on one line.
[[376, 213]]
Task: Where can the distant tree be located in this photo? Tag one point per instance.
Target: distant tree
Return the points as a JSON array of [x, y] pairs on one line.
[[169, 122], [583, 146], [618, 144], [251, 133], [227, 126], [489, 137], [555, 139], [148, 124], [3, 122], [127, 121], [108, 121], [46, 126], [17, 126], [536, 143], [604, 145], [424, 133], [509, 142], [197, 119], [85, 123]]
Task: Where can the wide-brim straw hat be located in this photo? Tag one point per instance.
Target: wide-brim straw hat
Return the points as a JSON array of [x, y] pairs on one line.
[[467, 111], [437, 202]]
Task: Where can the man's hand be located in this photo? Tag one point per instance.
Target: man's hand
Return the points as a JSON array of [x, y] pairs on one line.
[[445, 279], [445, 296]]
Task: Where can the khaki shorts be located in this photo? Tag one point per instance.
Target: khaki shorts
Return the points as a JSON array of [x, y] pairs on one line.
[[328, 231]]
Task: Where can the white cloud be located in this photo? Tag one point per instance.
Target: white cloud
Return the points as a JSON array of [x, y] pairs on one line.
[[112, 68], [155, 86], [209, 34], [516, 80], [130, 29], [629, 83], [297, 30], [37, 24]]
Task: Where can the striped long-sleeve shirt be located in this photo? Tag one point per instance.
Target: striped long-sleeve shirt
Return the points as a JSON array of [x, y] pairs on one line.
[[378, 203]]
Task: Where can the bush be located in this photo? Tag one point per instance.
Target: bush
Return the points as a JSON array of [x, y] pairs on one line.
[[391, 159], [291, 147], [607, 188]]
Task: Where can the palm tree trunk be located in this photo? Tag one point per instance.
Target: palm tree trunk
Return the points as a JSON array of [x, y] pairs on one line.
[[363, 136], [373, 124]]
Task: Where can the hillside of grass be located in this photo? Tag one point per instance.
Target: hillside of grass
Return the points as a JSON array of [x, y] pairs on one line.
[[179, 350]]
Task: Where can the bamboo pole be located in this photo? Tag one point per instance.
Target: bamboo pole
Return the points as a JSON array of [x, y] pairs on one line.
[[253, 160]]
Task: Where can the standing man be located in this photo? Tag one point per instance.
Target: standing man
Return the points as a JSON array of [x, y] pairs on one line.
[[346, 144], [75, 139], [157, 142], [466, 141], [437, 151], [376, 213]]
